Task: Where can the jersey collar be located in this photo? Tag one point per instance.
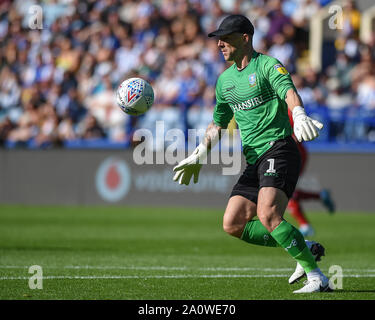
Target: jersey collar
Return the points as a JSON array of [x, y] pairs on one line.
[[254, 55]]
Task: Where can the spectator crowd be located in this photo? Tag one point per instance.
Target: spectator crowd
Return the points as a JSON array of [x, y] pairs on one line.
[[57, 82]]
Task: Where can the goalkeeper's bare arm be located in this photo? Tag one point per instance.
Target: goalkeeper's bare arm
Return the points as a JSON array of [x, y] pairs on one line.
[[212, 135]]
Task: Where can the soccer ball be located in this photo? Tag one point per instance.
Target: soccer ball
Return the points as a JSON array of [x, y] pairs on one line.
[[135, 96]]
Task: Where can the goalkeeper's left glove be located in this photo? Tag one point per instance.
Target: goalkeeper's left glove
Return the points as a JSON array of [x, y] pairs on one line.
[[305, 128], [190, 166]]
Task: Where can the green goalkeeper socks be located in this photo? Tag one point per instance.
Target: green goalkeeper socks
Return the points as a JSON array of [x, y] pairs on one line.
[[293, 242], [285, 235], [256, 233]]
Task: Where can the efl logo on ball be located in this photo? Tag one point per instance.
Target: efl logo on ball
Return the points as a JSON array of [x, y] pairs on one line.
[[135, 96]]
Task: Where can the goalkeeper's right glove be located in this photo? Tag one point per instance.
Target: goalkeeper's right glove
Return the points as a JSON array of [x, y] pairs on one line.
[[305, 128], [190, 166]]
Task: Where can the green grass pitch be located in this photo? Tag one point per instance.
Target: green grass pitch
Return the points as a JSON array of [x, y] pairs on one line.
[[167, 253]]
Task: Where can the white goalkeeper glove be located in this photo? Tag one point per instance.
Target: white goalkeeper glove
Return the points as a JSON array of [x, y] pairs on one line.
[[190, 166], [305, 128]]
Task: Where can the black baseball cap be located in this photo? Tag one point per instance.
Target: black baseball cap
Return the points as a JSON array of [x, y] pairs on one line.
[[234, 23]]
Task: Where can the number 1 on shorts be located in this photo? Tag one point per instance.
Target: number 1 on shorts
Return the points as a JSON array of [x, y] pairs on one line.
[[271, 169]]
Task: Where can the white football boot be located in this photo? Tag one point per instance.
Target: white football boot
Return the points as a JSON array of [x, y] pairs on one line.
[[317, 251], [318, 283]]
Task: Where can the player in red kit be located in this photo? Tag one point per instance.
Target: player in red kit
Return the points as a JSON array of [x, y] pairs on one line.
[[294, 204]]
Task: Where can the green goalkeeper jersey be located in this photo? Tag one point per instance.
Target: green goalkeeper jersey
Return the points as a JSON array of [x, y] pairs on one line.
[[256, 97]]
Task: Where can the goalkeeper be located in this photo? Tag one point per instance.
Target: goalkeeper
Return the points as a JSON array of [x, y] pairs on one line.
[[258, 91]]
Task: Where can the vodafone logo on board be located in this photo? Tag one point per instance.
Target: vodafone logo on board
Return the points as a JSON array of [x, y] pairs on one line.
[[113, 179]]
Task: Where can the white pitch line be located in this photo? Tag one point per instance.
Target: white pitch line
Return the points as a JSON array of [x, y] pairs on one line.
[[177, 268], [125, 267], [182, 276], [153, 268], [182, 268], [177, 276]]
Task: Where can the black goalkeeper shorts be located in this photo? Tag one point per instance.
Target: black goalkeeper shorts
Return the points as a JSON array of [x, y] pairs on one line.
[[278, 167]]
